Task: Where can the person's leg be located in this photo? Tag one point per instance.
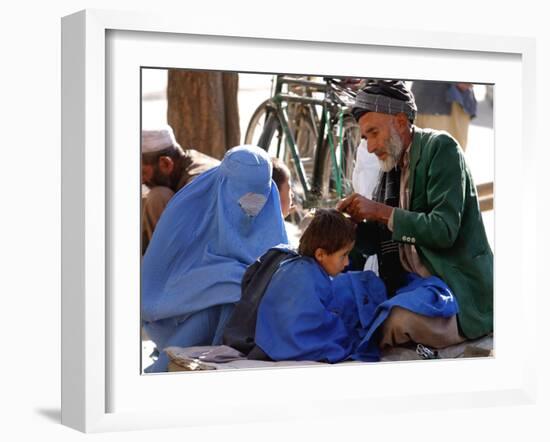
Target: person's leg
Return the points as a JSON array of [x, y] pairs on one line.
[[460, 123], [456, 124], [438, 122], [403, 326], [153, 206]]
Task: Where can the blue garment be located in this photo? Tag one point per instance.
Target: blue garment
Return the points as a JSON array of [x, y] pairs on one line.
[[424, 296], [307, 315], [465, 98], [210, 231], [436, 98]]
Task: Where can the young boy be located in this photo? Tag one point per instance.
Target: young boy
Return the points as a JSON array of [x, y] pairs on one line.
[[329, 238], [309, 310]]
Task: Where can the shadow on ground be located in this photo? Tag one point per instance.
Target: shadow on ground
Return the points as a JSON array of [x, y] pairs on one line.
[[51, 414]]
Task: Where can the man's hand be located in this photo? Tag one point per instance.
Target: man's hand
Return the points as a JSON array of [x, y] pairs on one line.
[[361, 208]]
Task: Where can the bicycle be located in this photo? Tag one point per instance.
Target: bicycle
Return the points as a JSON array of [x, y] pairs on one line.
[[308, 124]]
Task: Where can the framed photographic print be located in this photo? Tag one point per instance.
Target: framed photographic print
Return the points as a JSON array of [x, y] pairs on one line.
[[111, 62]]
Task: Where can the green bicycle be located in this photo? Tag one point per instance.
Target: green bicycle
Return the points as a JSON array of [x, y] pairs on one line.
[[308, 124]]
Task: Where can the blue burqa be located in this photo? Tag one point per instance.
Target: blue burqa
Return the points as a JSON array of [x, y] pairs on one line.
[[210, 231], [307, 315]]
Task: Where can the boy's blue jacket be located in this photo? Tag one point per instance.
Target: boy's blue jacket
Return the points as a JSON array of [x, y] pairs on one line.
[[307, 315]]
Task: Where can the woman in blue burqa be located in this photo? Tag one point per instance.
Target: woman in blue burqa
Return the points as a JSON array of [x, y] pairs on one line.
[[210, 231]]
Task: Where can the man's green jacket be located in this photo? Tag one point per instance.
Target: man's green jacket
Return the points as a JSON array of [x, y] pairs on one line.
[[444, 223]]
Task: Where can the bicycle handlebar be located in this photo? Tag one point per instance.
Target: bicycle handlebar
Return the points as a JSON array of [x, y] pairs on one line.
[[300, 99], [299, 82], [347, 85]]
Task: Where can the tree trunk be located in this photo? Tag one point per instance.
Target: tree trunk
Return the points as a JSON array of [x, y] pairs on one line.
[[203, 110]]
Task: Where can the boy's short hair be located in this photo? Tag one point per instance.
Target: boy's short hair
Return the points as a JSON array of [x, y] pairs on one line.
[[281, 172], [329, 230]]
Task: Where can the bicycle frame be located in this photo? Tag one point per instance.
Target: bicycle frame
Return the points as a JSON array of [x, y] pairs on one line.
[[278, 100]]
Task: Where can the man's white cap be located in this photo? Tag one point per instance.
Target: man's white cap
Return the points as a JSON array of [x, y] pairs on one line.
[[157, 140]]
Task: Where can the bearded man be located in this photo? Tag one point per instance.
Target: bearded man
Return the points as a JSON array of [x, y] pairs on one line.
[[165, 169], [424, 220]]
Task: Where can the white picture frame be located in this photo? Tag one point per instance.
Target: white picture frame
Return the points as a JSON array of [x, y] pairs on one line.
[[98, 381]]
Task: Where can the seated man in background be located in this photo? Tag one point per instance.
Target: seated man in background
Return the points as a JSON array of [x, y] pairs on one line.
[[165, 169]]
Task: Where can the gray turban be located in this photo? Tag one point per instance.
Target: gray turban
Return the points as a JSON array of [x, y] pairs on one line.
[[385, 96]]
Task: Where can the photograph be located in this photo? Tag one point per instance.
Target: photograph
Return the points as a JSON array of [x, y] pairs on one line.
[[303, 219], [293, 227]]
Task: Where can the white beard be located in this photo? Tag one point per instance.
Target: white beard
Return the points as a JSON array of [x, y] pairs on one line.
[[394, 147]]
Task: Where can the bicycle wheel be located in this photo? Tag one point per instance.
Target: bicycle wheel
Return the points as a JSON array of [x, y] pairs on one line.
[[301, 121], [257, 122], [327, 187], [305, 124], [273, 140]]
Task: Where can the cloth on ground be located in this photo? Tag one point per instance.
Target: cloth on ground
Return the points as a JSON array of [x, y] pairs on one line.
[[226, 358], [220, 357]]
